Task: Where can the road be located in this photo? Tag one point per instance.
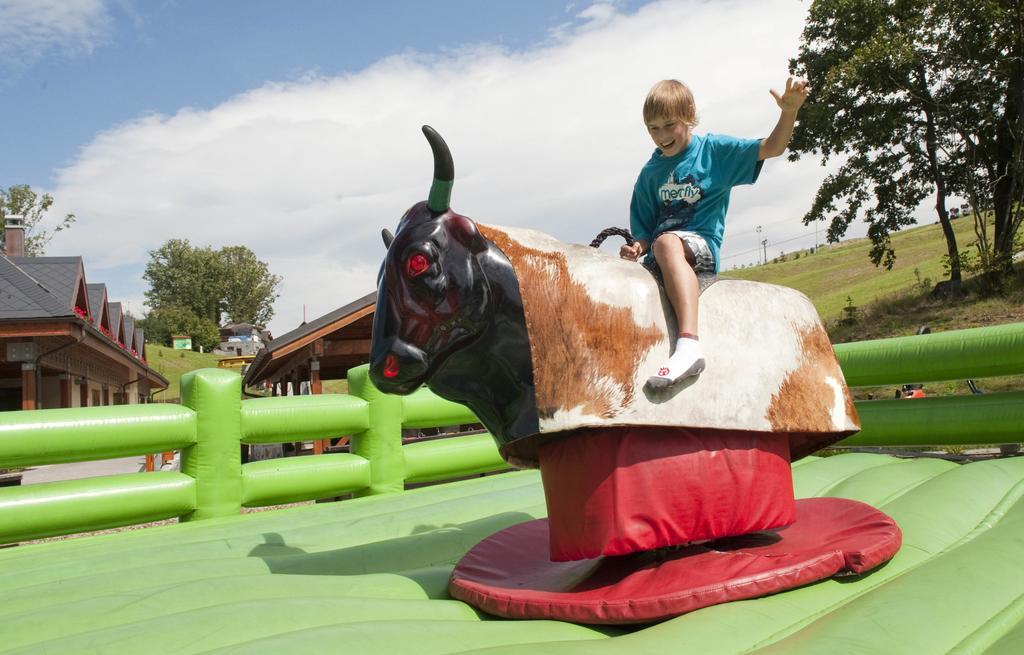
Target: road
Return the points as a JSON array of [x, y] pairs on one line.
[[78, 470]]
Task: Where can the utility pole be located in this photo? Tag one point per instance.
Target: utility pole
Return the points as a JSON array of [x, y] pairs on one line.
[[759, 238]]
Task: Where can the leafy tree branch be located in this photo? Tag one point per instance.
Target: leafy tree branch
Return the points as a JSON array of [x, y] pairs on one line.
[[21, 200]]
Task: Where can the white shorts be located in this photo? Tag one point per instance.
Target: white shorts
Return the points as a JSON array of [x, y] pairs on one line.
[[703, 261]]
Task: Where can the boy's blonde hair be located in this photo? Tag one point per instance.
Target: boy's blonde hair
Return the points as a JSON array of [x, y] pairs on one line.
[[670, 99]]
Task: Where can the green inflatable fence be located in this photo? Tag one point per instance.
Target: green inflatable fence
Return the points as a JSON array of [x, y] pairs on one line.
[[208, 430], [369, 575], [954, 355]]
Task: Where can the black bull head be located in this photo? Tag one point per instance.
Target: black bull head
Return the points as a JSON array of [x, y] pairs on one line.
[[449, 314]]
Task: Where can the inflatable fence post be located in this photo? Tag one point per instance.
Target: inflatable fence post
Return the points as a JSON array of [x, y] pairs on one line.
[[381, 443], [215, 461]]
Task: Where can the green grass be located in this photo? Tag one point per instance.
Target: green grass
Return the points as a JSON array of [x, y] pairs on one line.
[[843, 270], [172, 364], [890, 302], [896, 302], [335, 386]]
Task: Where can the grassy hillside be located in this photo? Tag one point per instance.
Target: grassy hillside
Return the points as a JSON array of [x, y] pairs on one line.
[[172, 364], [843, 270], [897, 302]]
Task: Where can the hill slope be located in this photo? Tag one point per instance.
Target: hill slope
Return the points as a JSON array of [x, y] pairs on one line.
[[172, 364], [896, 302], [842, 270]]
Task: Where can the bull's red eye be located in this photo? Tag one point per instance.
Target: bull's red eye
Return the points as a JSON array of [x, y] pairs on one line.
[[391, 367], [416, 265]]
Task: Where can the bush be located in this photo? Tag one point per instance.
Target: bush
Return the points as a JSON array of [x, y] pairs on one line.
[[851, 314], [164, 322], [922, 284]]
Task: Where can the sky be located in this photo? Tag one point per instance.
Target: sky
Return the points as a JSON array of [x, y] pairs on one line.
[[294, 128]]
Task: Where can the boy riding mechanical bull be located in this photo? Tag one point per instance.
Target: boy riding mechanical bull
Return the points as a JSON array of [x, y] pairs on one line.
[[551, 344]]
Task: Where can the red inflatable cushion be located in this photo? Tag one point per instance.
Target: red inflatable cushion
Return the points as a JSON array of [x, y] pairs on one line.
[[509, 574], [622, 490]]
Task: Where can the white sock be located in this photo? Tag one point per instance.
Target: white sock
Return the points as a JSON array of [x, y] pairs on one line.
[[686, 361]]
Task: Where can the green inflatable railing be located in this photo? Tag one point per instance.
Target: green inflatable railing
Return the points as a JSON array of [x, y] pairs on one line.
[[55, 436], [938, 421], [955, 355], [213, 421], [207, 429]]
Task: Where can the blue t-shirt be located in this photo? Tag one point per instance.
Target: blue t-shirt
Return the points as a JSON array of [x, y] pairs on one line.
[[690, 191]]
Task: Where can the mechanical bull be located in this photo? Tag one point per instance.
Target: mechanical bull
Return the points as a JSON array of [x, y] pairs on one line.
[[540, 337], [550, 345]]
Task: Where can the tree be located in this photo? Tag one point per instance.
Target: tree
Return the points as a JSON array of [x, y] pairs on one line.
[[249, 287], [184, 276], [916, 97], [20, 199], [211, 283], [164, 322]]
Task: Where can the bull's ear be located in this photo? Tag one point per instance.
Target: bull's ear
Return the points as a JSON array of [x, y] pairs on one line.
[[464, 230], [387, 236]]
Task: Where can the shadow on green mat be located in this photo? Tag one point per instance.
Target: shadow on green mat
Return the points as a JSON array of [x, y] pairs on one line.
[[417, 556]]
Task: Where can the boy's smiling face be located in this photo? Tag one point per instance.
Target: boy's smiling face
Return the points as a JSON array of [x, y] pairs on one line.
[[671, 135]]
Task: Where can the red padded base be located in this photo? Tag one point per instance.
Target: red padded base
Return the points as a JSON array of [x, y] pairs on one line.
[[509, 573], [622, 490]]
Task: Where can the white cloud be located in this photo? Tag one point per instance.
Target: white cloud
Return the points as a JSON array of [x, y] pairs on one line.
[[598, 14], [593, 16], [31, 28], [307, 173]]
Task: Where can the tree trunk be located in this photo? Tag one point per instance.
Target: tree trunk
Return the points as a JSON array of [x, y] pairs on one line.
[[931, 146], [1002, 206], [1009, 167]]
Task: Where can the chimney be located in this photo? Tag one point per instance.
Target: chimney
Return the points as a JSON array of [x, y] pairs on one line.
[[14, 236]]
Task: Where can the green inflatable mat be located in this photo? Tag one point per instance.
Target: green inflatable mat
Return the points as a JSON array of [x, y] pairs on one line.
[[370, 575]]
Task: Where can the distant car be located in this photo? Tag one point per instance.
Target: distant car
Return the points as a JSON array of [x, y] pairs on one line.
[[913, 391]]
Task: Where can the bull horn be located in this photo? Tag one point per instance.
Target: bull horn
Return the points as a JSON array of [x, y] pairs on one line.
[[387, 236], [444, 172]]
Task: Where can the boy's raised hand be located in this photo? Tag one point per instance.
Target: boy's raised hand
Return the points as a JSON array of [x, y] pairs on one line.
[[793, 97]]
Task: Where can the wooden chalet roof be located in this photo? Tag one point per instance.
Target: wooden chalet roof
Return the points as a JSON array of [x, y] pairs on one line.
[[46, 291], [98, 305], [239, 329], [129, 331], [140, 342], [116, 321], [63, 277], [22, 296], [339, 340]]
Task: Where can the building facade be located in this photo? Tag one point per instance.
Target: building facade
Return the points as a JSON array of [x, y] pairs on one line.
[[62, 343]]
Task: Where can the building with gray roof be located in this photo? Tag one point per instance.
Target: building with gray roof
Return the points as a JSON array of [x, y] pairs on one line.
[[58, 344]]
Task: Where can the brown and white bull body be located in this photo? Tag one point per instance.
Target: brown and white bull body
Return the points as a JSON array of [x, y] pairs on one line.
[[598, 325]]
